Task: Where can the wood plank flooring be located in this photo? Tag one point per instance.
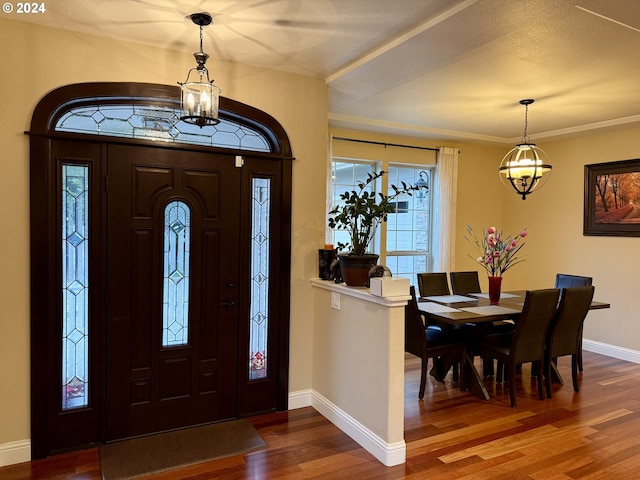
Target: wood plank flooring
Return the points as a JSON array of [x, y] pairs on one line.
[[594, 434]]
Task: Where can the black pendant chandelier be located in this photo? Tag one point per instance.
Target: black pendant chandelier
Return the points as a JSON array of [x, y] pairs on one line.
[[199, 97], [525, 167]]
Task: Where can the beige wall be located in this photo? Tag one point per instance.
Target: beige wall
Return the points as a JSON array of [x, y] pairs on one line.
[[554, 217], [359, 354], [382, 153], [37, 60], [480, 197]]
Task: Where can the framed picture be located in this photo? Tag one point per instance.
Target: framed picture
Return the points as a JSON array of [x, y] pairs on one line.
[[612, 198]]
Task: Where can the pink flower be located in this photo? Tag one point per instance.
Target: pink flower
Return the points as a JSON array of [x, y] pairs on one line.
[[498, 254]]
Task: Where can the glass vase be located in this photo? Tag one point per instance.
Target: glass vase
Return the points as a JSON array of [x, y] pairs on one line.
[[495, 284]]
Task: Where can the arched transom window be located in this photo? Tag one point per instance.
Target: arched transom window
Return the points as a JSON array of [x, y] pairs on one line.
[[158, 123]]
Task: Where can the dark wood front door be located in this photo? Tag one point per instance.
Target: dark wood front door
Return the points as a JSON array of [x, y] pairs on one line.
[[171, 358], [101, 365]]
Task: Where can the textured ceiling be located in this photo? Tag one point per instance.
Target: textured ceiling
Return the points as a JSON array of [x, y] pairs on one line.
[[434, 68]]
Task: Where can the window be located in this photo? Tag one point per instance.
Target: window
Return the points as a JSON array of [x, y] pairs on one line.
[[259, 313], [345, 175], [175, 303], [408, 230], [405, 237], [75, 286], [158, 123]]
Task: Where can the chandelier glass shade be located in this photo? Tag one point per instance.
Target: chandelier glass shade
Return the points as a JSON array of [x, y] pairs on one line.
[[525, 167], [199, 97]]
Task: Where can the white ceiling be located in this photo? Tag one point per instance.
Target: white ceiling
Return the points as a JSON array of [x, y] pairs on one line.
[[434, 68]]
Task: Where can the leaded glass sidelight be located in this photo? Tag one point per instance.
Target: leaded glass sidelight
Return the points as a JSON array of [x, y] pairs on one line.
[[259, 311], [175, 302], [75, 286]]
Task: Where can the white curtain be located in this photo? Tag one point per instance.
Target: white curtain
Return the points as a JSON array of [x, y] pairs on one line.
[[443, 240]]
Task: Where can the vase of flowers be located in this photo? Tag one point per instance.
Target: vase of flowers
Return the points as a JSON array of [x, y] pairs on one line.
[[498, 253]]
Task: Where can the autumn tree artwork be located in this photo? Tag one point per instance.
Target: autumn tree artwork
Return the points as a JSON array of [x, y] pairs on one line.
[[617, 198], [612, 198]]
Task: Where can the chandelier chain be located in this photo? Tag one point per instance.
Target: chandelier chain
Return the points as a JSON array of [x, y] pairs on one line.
[[525, 137]]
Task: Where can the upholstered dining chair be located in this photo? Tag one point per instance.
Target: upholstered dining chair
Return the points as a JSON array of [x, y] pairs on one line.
[[565, 280], [433, 284], [565, 332], [526, 343], [464, 283], [426, 343]]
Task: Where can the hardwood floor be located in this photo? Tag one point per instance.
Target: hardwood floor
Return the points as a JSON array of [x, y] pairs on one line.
[[450, 435]]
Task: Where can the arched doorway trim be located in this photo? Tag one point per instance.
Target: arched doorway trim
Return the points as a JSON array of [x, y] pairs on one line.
[[60, 101]]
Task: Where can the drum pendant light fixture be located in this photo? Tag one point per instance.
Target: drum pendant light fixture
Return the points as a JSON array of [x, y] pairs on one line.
[[525, 167], [199, 97]]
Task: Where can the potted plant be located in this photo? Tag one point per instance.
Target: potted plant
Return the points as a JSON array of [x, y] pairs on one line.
[[360, 214]]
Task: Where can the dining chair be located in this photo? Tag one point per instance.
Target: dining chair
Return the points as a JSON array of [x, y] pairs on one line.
[[526, 343], [433, 284], [464, 283], [426, 343], [565, 331], [565, 280]]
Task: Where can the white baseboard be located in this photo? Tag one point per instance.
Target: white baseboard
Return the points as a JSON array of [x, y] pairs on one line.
[[611, 350], [389, 454], [15, 452], [300, 399]]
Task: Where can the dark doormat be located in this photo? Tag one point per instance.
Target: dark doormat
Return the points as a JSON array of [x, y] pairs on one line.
[[166, 451]]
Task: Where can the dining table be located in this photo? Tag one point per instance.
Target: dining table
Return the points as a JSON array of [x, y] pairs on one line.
[[475, 309]]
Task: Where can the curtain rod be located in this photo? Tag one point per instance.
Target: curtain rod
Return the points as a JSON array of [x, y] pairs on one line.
[[385, 144]]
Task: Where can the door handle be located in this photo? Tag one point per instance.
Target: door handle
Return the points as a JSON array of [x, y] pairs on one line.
[[228, 304]]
